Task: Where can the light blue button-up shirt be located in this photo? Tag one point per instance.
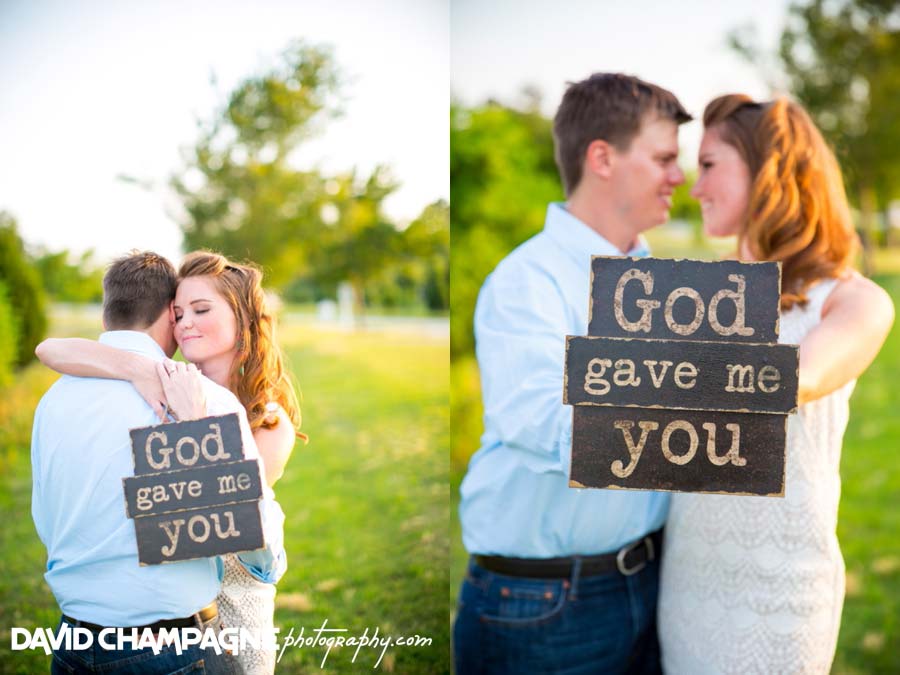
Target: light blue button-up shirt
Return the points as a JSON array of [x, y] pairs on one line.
[[516, 501], [80, 451]]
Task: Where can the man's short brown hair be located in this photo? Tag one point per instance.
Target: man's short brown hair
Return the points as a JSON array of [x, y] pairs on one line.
[[607, 106], [136, 289]]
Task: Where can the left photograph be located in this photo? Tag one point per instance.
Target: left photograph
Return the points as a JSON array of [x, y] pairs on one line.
[[224, 338]]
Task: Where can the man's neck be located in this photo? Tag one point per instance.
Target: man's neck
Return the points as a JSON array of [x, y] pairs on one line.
[[161, 333], [598, 216]]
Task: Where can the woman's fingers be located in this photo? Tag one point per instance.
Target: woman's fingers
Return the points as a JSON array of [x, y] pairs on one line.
[[154, 393], [183, 388]]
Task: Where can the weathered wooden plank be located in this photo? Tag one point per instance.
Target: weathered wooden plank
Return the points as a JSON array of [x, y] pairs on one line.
[[193, 494], [152, 494], [182, 445], [199, 533], [678, 450], [681, 374], [684, 299]]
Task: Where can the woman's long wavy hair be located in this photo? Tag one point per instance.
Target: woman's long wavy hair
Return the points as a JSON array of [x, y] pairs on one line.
[[257, 375], [798, 212]]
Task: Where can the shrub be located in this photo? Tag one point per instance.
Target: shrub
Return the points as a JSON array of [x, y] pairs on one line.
[[23, 284], [9, 337]]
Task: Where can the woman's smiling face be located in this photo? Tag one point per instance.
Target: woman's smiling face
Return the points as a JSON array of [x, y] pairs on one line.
[[723, 186], [205, 325]]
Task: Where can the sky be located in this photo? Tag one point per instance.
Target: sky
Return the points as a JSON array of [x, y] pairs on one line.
[[499, 47], [99, 88]]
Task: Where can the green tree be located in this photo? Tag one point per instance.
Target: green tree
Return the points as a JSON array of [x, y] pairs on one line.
[[357, 242], [842, 61], [243, 195], [64, 281], [426, 248], [240, 193], [502, 175], [9, 337], [26, 295]]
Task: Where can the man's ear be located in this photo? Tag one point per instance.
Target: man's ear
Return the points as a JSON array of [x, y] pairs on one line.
[[171, 312], [599, 158]]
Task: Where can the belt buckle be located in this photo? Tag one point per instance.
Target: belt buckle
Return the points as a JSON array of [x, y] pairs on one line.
[[625, 550]]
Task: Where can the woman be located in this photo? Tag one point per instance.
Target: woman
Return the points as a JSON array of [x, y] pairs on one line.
[[756, 584], [222, 325]]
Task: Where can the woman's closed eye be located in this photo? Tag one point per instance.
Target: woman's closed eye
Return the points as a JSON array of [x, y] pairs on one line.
[[178, 317]]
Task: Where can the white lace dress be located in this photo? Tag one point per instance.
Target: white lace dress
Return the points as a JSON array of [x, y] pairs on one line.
[[245, 602], [756, 584]]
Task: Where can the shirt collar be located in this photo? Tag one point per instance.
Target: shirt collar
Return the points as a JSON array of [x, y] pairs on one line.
[[579, 240], [133, 341]]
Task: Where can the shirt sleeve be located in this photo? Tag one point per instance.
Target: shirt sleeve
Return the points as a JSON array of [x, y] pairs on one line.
[[520, 333], [36, 496], [267, 564]]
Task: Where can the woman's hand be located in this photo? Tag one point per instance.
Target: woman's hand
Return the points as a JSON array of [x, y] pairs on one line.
[[183, 389], [150, 388]]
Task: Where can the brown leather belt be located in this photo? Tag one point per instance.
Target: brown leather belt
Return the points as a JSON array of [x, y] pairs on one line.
[[628, 560], [204, 615]]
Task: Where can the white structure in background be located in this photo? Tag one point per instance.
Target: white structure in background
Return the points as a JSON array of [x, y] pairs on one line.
[[274, 303], [345, 304], [326, 311], [893, 215]]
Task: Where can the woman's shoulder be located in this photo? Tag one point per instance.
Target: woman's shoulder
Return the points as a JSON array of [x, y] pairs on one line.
[[856, 294], [276, 443], [854, 287]]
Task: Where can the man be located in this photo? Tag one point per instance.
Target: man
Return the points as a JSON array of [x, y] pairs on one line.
[[564, 580], [81, 449]]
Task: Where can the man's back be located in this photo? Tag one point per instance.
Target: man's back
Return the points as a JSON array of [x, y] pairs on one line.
[[81, 450]]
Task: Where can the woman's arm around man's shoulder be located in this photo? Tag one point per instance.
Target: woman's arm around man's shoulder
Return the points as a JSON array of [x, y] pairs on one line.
[[856, 319], [89, 358]]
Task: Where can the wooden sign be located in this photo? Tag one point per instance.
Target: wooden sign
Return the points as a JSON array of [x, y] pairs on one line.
[[680, 385], [660, 298], [193, 494], [684, 450], [155, 493], [183, 445], [736, 376], [199, 533]]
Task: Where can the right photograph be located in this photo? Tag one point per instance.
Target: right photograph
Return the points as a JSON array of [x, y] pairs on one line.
[[674, 269]]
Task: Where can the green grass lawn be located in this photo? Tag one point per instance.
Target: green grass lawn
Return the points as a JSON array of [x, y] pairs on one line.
[[365, 502], [869, 522]]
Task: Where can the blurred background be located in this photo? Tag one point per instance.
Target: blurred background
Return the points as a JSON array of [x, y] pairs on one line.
[[840, 59], [311, 139]]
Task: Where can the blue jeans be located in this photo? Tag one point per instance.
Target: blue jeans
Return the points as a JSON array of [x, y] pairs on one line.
[[129, 661], [597, 624]]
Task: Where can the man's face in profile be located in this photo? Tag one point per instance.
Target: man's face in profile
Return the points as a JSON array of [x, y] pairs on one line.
[[646, 174], [171, 346]]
